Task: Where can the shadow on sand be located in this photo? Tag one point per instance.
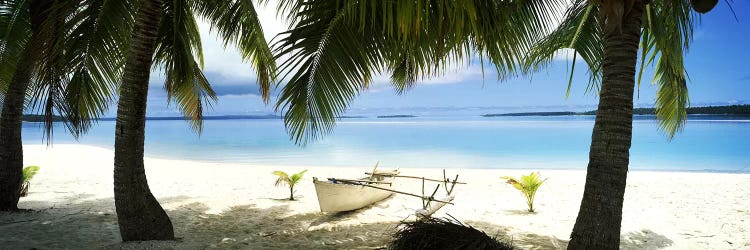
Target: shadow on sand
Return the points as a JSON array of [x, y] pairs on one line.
[[645, 239], [81, 222], [323, 219]]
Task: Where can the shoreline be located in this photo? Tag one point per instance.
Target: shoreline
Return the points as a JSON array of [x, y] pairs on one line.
[[232, 205]]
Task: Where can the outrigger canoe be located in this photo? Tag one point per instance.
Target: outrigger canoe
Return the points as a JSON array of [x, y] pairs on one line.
[[338, 195]]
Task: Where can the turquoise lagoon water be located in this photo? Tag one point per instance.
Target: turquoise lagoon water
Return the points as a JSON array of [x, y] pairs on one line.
[[562, 142]]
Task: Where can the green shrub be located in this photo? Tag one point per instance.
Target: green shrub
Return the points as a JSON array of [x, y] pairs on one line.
[[528, 185], [290, 181], [27, 174]]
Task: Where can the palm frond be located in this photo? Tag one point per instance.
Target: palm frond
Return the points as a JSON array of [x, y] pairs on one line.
[[508, 33], [283, 178], [15, 30], [334, 48], [437, 233], [528, 185], [667, 42], [416, 39], [96, 45], [333, 63], [295, 178], [237, 22], [29, 172], [47, 90], [81, 60], [178, 41], [667, 31], [424, 37], [579, 31]]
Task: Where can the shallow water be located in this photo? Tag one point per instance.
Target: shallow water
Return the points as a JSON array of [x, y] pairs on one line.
[[706, 144]]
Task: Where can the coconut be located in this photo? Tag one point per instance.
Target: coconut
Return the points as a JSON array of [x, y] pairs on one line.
[[703, 6]]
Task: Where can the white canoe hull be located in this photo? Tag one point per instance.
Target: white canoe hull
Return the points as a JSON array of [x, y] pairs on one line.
[[338, 197]]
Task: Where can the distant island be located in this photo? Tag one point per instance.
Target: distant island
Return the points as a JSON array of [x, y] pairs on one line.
[[39, 118], [708, 110], [351, 117], [533, 114], [396, 116], [736, 110], [206, 118]]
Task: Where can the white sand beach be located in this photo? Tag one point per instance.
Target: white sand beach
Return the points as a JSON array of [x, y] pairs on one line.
[[221, 205]]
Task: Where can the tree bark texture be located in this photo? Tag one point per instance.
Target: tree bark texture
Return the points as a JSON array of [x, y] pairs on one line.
[[11, 146], [600, 215], [139, 214]]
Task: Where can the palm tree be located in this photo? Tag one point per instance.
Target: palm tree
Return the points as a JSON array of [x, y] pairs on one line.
[[289, 180], [62, 58], [607, 36], [528, 185], [335, 47], [333, 50], [28, 174], [11, 155], [139, 215], [166, 35]]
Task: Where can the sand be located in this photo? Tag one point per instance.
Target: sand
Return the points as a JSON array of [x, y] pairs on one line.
[[222, 205]]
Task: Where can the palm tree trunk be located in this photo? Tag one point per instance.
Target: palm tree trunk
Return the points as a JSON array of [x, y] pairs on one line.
[[600, 214], [139, 214], [11, 146], [291, 192]]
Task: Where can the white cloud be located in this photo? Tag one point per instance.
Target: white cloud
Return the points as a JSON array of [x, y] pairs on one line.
[[456, 75], [227, 61], [453, 75]]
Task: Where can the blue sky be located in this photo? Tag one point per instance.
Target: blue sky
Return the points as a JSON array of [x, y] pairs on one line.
[[717, 64]]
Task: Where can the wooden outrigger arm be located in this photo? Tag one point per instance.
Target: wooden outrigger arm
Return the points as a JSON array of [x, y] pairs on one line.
[[420, 178], [428, 198]]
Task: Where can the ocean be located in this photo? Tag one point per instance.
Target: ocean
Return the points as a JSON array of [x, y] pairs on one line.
[[708, 143]]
